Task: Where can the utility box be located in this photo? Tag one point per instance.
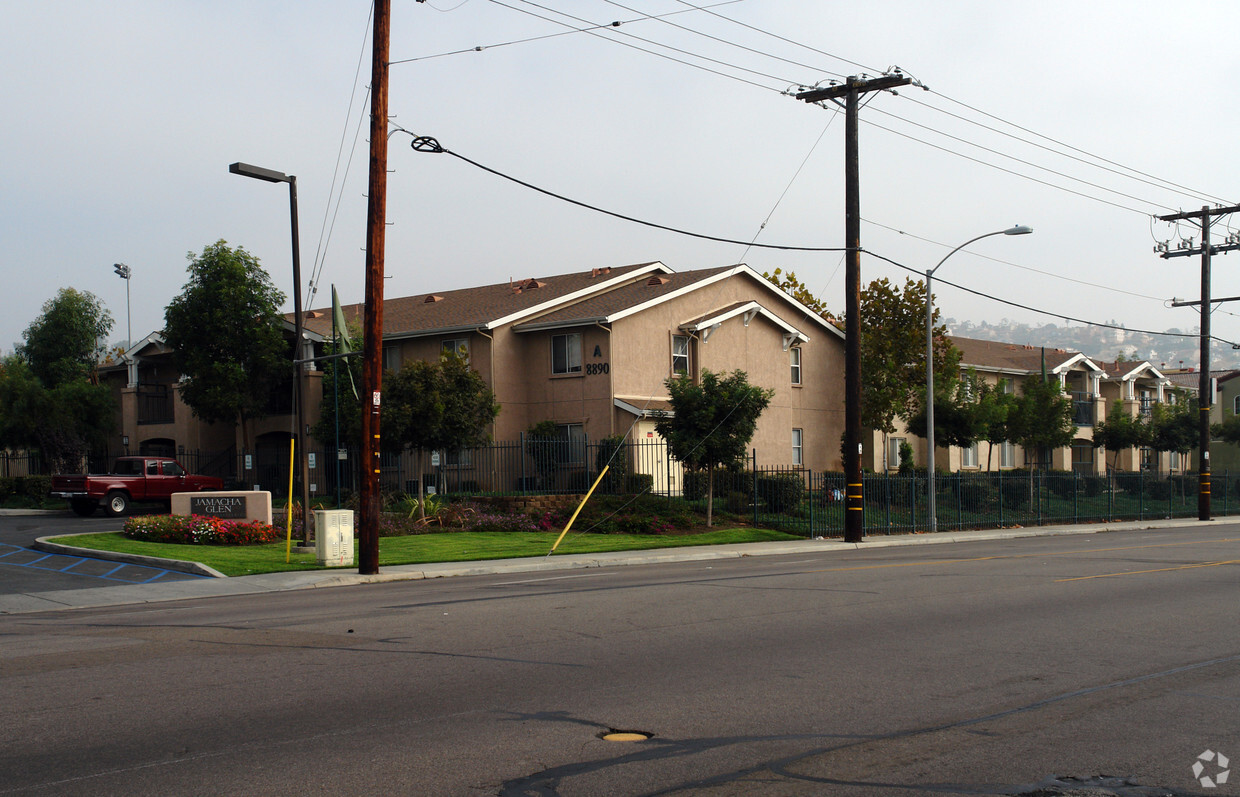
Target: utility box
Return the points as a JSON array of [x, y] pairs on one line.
[[333, 536]]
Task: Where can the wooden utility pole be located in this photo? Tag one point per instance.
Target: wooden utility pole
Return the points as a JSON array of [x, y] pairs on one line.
[[376, 226], [851, 90], [1204, 393]]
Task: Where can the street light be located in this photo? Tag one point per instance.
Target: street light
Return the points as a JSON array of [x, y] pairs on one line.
[[124, 272], [1019, 229], [272, 176]]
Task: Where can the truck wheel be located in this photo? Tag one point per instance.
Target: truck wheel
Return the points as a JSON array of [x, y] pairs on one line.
[[84, 506], [116, 503]]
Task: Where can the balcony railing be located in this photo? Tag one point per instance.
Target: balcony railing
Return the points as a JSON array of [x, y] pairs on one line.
[[1083, 409], [155, 404]]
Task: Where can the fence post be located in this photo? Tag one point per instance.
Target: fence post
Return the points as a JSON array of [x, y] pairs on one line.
[[1140, 495], [755, 487], [521, 458], [1076, 497], [959, 502], [811, 504], [1001, 497]]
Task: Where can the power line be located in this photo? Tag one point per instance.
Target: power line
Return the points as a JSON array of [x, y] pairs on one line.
[[593, 31], [430, 145], [1141, 177], [479, 48]]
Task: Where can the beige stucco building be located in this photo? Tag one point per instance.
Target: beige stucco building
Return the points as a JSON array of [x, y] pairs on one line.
[[1094, 387], [589, 351]]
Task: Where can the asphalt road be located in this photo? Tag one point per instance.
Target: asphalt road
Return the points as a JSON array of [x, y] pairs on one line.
[[973, 668]]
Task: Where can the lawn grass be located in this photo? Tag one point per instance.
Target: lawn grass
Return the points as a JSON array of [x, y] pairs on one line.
[[459, 546]]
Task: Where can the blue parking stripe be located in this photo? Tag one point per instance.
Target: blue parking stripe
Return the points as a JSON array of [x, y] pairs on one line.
[[78, 560]]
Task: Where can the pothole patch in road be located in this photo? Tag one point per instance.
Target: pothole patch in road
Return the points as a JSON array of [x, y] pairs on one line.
[[617, 735]]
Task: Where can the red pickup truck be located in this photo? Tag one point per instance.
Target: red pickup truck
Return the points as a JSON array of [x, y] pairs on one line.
[[131, 479]]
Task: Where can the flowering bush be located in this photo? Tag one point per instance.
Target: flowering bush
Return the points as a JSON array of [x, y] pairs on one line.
[[200, 530], [485, 520]]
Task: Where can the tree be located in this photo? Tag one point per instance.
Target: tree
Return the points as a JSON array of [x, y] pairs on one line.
[[995, 409], [1042, 417], [958, 417], [226, 336], [1118, 432], [711, 422], [789, 284], [65, 423], [50, 396], [893, 353], [1173, 427], [443, 406], [68, 340]]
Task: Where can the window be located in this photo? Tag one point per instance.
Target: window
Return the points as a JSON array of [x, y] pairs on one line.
[[1175, 460], [573, 445], [968, 456], [680, 354], [457, 346], [1007, 455], [798, 439], [1006, 386], [1235, 404], [566, 353], [173, 469], [391, 358], [893, 451], [795, 353]]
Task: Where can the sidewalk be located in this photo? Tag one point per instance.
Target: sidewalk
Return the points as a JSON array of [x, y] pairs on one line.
[[309, 579]]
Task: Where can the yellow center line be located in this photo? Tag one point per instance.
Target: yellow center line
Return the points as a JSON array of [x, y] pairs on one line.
[[1156, 570], [1027, 556]]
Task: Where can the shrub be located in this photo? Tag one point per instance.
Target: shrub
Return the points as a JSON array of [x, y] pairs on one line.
[[781, 492], [1015, 490], [484, 520], [613, 452], [974, 493], [200, 530], [638, 483]]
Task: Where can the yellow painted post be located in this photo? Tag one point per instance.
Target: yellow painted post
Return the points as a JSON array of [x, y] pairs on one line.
[[288, 514], [579, 506]]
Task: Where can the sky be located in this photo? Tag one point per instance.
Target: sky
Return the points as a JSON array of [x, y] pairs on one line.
[[1081, 120]]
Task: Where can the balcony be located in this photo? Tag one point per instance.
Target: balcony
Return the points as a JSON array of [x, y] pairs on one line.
[[1083, 409], [155, 404]]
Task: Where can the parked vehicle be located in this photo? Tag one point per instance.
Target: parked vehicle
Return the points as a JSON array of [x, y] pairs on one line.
[[132, 479]]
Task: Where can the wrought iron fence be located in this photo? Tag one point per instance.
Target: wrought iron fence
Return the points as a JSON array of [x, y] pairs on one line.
[[798, 500]]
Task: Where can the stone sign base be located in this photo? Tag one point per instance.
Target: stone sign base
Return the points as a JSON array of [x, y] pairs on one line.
[[232, 505]]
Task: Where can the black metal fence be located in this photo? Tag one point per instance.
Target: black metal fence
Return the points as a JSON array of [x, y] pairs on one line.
[[797, 500]]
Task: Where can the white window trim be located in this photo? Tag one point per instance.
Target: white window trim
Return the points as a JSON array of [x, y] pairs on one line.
[[798, 446], [795, 359]]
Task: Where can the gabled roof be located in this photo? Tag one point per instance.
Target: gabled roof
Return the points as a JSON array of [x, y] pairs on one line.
[[641, 295], [1016, 359], [747, 310], [1129, 370], [487, 306]]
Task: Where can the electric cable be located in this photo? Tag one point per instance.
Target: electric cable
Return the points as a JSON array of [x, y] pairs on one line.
[[481, 47], [428, 144]]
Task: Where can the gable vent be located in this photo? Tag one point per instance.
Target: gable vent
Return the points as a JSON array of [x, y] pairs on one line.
[[431, 299], [597, 272], [530, 284], [656, 281]]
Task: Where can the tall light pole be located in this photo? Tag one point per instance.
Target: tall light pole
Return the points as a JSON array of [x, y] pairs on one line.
[[125, 272], [272, 176], [1020, 229]]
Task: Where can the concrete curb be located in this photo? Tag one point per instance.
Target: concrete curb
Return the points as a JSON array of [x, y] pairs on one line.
[[46, 545], [220, 585]]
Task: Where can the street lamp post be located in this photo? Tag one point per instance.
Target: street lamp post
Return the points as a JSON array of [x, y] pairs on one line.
[[1020, 229], [125, 272], [272, 176]]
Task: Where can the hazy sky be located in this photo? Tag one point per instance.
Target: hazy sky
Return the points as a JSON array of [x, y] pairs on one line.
[[120, 120]]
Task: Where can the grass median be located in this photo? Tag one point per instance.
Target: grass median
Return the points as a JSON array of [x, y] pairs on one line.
[[457, 546]]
